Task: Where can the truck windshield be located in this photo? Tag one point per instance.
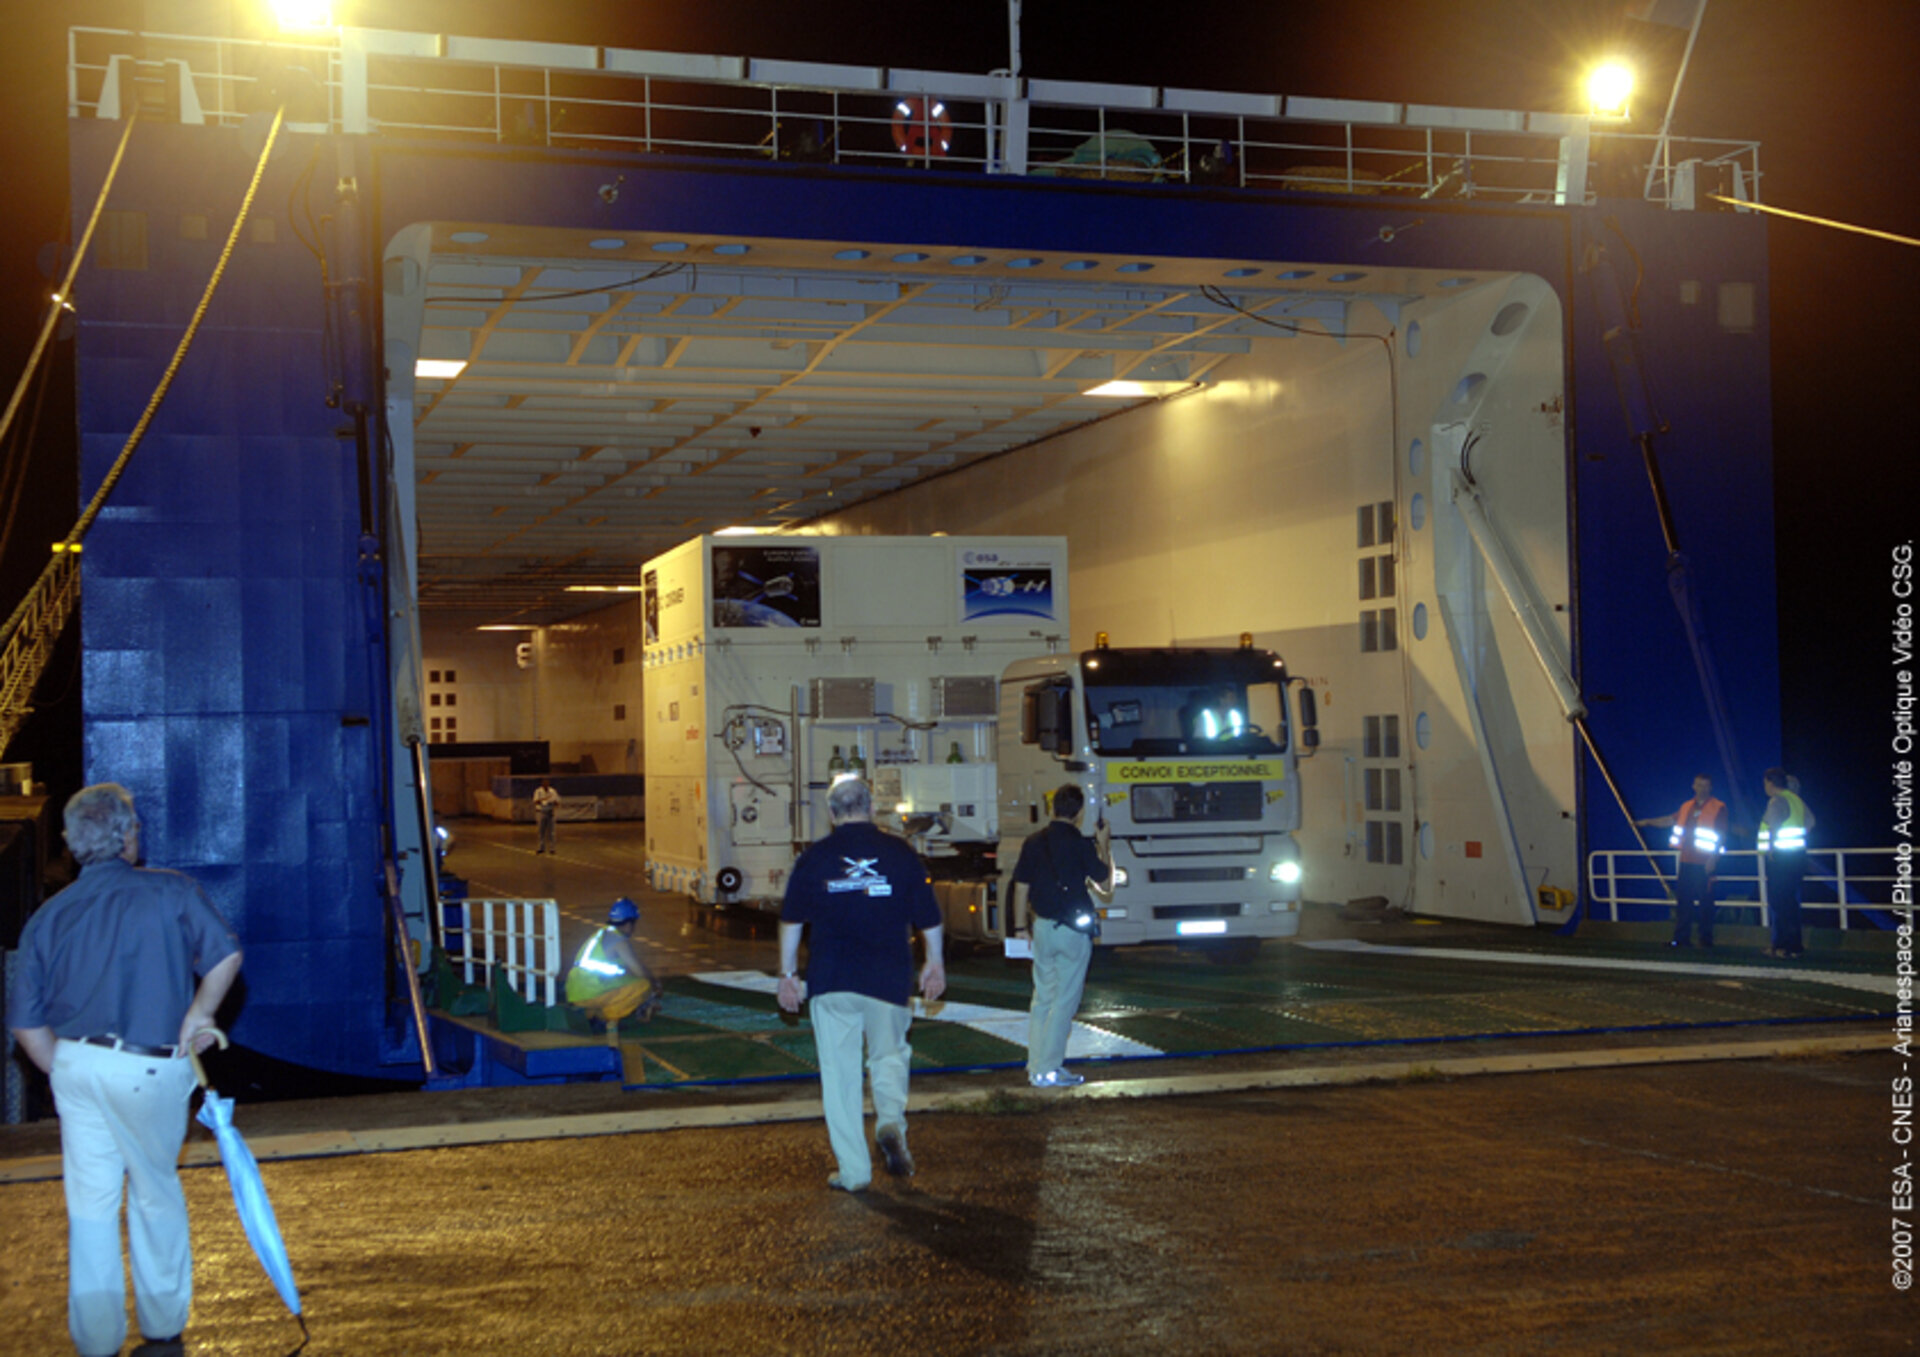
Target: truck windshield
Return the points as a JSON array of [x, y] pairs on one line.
[[1142, 703]]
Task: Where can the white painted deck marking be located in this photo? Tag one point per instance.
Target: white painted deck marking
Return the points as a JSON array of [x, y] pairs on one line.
[[1871, 984], [1009, 1025]]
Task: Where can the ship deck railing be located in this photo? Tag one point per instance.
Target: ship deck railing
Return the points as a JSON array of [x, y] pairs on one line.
[[580, 97], [519, 938], [1844, 888]]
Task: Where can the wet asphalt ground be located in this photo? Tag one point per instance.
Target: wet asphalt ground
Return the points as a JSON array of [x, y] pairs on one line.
[[1725, 1207], [1705, 1205]]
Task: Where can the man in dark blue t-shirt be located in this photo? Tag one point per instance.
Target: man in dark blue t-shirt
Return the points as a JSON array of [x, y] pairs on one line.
[[1058, 869], [863, 891]]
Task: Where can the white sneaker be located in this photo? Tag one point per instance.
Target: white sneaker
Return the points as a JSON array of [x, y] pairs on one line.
[[1056, 1079]]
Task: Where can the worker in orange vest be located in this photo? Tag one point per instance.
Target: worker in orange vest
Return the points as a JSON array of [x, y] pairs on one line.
[[1700, 834]]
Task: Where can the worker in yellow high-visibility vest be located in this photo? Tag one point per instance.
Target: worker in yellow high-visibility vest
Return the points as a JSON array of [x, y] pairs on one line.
[[1783, 848], [608, 978]]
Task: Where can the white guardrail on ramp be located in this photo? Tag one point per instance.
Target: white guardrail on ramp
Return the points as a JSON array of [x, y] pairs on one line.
[[1842, 885], [519, 937]]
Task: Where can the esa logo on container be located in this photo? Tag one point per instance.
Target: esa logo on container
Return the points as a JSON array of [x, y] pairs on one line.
[[1007, 592]]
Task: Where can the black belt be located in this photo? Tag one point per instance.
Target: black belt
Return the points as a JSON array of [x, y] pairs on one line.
[[130, 1047]]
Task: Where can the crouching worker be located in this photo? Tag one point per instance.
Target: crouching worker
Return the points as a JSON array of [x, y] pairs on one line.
[[608, 979]]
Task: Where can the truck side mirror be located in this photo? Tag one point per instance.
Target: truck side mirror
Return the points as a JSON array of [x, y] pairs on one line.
[[1046, 717], [1309, 718]]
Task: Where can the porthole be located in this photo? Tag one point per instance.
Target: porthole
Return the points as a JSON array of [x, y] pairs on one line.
[[1467, 390], [1510, 318]]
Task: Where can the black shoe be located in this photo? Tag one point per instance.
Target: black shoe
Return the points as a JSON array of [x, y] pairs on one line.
[[893, 1151], [1680, 942], [160, 1347]]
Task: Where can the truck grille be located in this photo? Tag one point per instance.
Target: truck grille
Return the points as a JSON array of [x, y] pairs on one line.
[[1229, 911], [1174, 876], [1185, 802]]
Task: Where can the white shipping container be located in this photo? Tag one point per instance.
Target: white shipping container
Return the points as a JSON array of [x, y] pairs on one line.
[[772, 662]]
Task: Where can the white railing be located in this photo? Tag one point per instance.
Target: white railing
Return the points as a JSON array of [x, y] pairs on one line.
[[1841, 885], [605, 98], [519, 937]]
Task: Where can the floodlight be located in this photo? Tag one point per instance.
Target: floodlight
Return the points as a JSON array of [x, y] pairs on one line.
[[1136, 390], [302, 15], [1609, 88], [439, 367]]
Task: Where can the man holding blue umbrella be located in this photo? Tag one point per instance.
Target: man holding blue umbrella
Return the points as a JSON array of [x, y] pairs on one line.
[[108, 1006]]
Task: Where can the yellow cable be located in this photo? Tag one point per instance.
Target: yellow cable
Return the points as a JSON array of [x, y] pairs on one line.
[[54, 308], [65, 552], [186, 342], [62, 297], [1817, 221]]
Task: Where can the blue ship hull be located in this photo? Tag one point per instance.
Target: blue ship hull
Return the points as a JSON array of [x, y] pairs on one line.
[[234, 633]]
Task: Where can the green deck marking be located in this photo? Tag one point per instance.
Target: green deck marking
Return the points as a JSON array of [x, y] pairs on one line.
[[735, 1057], [1181, 1002], [938, 1045], [665, 1024], [728, 1017]]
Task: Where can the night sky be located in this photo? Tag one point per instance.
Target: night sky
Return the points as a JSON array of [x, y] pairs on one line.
[[1821, 83]]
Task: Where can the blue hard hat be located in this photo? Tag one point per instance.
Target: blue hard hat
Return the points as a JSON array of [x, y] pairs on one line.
[[622, 911]]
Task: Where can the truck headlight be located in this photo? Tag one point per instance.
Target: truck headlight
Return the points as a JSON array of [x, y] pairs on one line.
[[1119, 877], [1286, 872]]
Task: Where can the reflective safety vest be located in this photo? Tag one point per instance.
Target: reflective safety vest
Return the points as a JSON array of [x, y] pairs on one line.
[[595, 973], [1790, 835], [1699, 830]]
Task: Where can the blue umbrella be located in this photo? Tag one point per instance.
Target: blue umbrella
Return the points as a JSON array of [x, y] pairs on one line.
[[249, 1193]]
